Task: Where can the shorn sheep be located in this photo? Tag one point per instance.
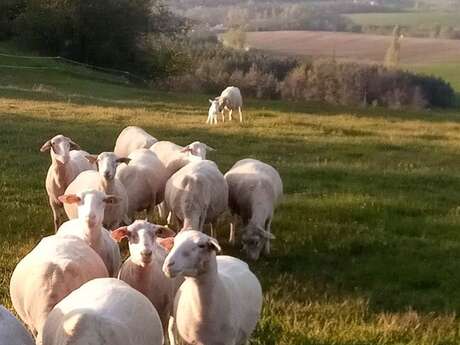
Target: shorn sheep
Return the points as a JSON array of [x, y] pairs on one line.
[[12, 332], [88, 226], [103, 311], [67, 161], [144, 179], [220, 300], [142, 270], [230, 99], [255, 188], [197, 194], [213, 112], [54, 268], [132, 138], [105, 181]]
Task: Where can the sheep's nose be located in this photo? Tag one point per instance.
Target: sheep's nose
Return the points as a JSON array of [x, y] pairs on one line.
[[107, 174], [170, 263], [146, 252]]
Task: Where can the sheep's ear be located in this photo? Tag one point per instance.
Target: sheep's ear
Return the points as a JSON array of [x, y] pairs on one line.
[[73, 145], [164, 232], [46, 146], [91, 158], [209, 148], [166, 243], [112, 199], [217, 98], [214, 245], [123, 160], [211, 101], [69, 199], [120, 233], [266, 234]]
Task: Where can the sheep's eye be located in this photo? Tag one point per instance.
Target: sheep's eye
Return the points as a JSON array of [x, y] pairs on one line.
[[202, 246]]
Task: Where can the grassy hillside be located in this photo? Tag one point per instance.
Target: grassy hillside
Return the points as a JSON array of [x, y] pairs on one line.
[[406, 18], [368, 241]]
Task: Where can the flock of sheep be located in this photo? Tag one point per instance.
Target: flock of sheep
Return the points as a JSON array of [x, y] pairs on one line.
[[72, 288]]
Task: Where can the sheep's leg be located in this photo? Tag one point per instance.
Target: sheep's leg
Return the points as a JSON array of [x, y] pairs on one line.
[[213, 232], [223, 115], [171, 337], [55, 207], [231, 238], [269, 230], [230, 115], [241, 114]]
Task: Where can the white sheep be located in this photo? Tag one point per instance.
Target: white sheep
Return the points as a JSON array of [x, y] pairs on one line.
[[213, 112], [103, 311], [143, 269], [197, 194], [54, 268], [88, 226], [230, 99], [132, 138], [220, 300], [12, 332], [104, 180], [175, 157], [255, 189], [144, 179], [67, 161]]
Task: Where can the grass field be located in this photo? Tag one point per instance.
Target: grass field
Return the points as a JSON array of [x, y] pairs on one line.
[[368, 234], [426, 19]]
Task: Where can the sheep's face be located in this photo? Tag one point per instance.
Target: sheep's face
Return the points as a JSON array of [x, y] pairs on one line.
[[90, 205], [197, 149], [191, 254], [142, 240], [254, 239], [222, 103], [107, 163], [60, 147], [213, 108]]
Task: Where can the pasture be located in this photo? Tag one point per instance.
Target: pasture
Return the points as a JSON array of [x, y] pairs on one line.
[[368, 234], [406, 19], [432, 56]]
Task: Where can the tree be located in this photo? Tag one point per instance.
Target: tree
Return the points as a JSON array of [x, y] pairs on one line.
[[393, 53], [235, 38]]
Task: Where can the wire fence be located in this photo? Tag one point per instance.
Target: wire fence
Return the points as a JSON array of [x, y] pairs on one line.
[[41, 63]]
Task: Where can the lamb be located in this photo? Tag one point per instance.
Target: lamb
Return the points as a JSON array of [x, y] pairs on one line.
[[197, 194], [230, 99], [255, 189], [213, 112], [88, 226], [67, 161], [144, 179], [142, 270], [103, 311], [54, 268], [132, 138], [104, 180], [220, 300], [12, 332]]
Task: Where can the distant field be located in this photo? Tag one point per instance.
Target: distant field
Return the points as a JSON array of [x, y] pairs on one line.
[[406, 19], [432, 56]]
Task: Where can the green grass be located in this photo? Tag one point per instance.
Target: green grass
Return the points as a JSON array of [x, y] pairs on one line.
[[368, 234], [406, 18]]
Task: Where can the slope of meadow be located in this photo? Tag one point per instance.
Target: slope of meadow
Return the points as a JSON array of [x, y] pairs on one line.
[[406, 18], [368, 240]]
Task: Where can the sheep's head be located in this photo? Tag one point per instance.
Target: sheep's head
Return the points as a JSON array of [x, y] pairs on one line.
[[143, 239], [90, 204], [191, 254], [107, 163], [197, 149], [60, 146], [253, 239]]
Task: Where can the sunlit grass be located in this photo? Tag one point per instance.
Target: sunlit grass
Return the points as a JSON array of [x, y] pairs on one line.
[[368, 234]]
